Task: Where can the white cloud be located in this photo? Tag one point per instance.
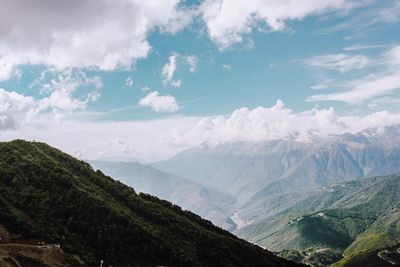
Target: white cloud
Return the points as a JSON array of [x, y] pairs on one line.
[[393, 56], [340, 62], [129, 82], [122, 140], [228, 20], [324, 84], [358, 47], [57, 96], [381, 83], [319, 86], [148, 141], [192, 61], [95, 33], [226, 67], [159, 103], [376, 15], [390, 14], [363, 89], [15, 109], [61, 88], [168, 72], [275, 123], [145, 89], [109, 149], [386, 101]]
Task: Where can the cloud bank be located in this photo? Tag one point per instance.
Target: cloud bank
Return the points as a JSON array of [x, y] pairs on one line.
[[275, 123], [100, 34], [154, 140]]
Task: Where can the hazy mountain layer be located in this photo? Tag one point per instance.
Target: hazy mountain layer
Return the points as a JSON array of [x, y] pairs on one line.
[[253, 171], [206, 202]]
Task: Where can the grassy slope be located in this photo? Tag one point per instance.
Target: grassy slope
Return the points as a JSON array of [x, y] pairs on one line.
[[49, 195]]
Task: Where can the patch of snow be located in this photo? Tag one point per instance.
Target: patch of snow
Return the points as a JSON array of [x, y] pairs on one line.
[[240, 223], [322, 215]]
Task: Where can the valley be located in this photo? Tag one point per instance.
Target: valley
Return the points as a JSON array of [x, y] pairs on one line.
[[318, 203]]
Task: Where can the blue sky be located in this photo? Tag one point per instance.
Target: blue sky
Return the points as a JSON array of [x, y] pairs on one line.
[[175, 64]]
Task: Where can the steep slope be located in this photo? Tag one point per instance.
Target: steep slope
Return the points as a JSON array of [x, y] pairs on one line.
[[206, 202], [352, 218], [47, 195]]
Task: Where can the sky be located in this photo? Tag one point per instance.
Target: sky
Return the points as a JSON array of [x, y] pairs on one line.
[[143, 80]]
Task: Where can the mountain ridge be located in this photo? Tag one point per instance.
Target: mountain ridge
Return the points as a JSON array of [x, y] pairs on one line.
[[282, 166]]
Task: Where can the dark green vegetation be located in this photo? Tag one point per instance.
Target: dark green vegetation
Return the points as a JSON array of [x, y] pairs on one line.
[[382, 258], [50, 196], [356, 219]]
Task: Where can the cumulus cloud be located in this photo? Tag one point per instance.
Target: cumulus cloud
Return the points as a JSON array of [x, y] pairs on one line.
[[275, 123], [61, 88], [159, 103], [168, 72], [14, 109], [57, 96], [340, 62], [228, 20], [95, 33]]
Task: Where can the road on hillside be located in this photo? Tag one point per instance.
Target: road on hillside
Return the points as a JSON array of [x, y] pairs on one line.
[[383, 256]]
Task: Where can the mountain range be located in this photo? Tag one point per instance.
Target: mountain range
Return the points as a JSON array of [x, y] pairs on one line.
[[247, 169], [311, 201]]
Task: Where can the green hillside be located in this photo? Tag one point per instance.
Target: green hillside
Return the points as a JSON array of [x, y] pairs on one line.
[[350, 219], [51, 197]]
